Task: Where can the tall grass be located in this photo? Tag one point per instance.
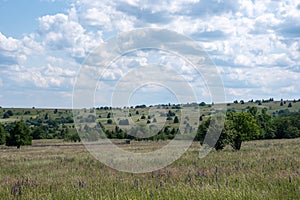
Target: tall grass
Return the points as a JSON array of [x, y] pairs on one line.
[[261, 170]]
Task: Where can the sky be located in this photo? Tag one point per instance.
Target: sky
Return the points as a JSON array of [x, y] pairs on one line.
[[255, 46]]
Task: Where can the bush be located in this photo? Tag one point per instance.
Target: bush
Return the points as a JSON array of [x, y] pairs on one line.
[[2, 135], [19, 134]]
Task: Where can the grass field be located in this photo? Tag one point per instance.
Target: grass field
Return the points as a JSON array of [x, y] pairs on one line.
[[51, 169]]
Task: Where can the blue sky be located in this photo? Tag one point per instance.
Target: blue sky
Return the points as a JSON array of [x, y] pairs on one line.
[[254, 44]]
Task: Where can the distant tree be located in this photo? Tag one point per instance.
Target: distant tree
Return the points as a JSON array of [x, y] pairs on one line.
[[200, 118], [281, 103], [137, 112], [109, 121], [37, 133], [108, 115], [169, 118], [27, 112], [72, 135], [143, 117], [170, 114], [5, 116], [173, 131], [148, 121], [253, 111], [55, 111], [19, 134], [242, 102], [8, 114], [202, 104], [176, 120], [2, 135], [290, 105]]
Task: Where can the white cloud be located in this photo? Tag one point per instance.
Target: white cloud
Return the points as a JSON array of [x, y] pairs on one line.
[[254, 43], [61, 32], [8, 43]]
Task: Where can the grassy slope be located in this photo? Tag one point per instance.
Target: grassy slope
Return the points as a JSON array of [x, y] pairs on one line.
[[261, 170], [102, 114]]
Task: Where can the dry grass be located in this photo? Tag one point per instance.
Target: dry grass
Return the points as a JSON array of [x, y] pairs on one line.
[[261, 170]]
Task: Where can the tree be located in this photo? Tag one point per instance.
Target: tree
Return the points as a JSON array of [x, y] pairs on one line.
[[243, 127], [19, 134], [2, 135], [202, 104], [253, 111], [290, 105], [37, 133], [71, 135], [219, 141], [287, 126], [176, 120], [265, 122], [8, 114]]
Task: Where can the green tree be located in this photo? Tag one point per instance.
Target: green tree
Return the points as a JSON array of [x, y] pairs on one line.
[[2, 135], [243, 127], [265, 122], [109, 121], [214, 125], [37, 133], [71, 135], [19, 134], [176, 120]]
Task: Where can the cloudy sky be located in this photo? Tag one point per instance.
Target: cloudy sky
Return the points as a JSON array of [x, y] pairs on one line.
[[255, 46]]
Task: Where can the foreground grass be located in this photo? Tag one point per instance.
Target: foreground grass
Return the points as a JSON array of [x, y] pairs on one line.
[[261, 170]]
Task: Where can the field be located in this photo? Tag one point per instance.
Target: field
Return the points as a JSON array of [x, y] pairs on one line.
[[52, 169]]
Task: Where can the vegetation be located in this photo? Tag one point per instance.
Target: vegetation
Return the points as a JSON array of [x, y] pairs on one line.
[[56, 167], [51, 169], [19, 134], [260, 119], [2, 135]]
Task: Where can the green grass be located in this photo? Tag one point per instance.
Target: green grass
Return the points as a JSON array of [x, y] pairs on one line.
[[267, 169]]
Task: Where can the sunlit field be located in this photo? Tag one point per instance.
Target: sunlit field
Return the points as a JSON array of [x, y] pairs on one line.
[[52, 169]]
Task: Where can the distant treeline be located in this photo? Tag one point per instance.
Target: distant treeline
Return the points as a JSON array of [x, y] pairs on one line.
[[250, 124]]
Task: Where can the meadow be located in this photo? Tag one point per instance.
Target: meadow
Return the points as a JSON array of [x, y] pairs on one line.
[[53, 169]]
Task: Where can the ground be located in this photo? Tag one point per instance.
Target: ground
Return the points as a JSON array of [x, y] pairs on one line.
[[52, 169]]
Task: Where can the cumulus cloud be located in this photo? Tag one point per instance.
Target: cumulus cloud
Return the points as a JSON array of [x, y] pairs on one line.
[[63, 32], [255, 44]]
